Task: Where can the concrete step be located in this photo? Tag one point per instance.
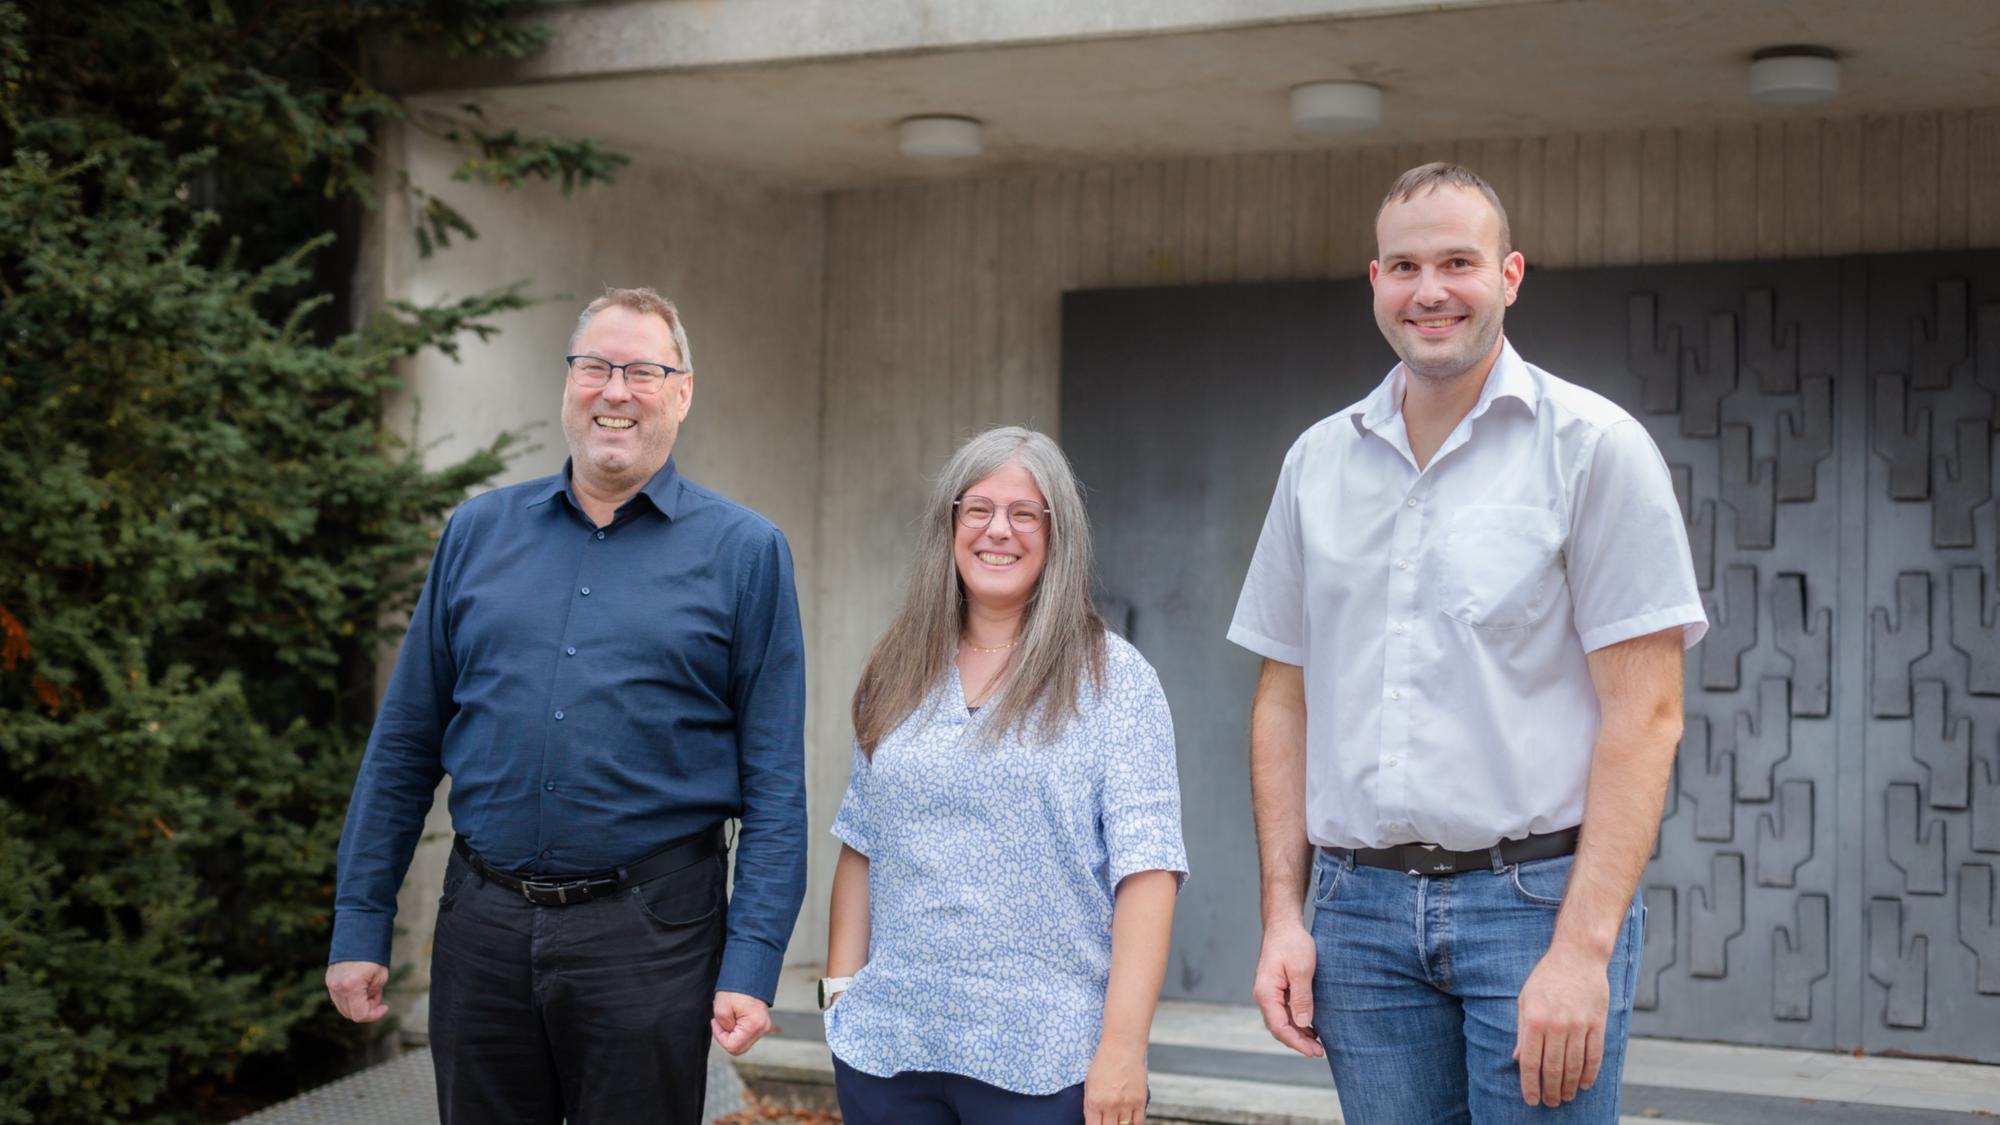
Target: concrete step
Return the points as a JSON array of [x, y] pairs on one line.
[[1213, 1064]]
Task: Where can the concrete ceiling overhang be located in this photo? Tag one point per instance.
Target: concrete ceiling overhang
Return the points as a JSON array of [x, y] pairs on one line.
[[1447, 72]]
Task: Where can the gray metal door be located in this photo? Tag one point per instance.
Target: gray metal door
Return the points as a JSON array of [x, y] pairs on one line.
[[1825, 875]]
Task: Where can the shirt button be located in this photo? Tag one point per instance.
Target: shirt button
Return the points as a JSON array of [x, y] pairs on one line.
[[546, 852], [1401, 564], [586, 591], [1400, 630], [1390, 762], [1410, 503], [558, 715], [571, 650], [1392, 695], [549, 785], [600, 534]]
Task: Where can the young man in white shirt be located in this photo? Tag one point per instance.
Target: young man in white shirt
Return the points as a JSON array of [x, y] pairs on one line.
[[1472, 594]]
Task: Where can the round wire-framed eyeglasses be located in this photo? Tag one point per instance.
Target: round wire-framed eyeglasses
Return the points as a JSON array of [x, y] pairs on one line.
[[1025, 516]]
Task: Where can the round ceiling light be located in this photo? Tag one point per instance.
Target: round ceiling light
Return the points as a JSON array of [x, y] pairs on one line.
[[1794, 75], [1336, 107], [938, 137]]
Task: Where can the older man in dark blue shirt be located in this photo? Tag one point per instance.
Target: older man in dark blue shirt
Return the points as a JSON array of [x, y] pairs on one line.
[[608, 664]]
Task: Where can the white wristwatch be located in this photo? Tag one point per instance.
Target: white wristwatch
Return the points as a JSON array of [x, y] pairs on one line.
[[830, 989]]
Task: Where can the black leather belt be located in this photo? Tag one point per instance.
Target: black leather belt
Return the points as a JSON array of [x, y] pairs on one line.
[[568, 890], [1423, 859]]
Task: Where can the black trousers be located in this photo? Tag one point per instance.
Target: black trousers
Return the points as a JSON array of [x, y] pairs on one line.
[[596, 1012]]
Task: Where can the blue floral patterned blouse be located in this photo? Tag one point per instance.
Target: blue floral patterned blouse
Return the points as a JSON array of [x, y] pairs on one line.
[[991, 877]]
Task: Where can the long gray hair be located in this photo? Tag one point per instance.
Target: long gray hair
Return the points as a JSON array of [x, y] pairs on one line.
[[1062, 638]]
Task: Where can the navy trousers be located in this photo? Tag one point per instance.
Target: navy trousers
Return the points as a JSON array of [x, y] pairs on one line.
[[932, 1098]]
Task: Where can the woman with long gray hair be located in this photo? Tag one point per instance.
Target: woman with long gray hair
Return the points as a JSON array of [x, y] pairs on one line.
[[1011, 839]]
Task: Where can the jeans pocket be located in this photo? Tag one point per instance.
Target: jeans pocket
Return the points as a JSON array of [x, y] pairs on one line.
[[1330, 874], [682, 898], [1541, 881]]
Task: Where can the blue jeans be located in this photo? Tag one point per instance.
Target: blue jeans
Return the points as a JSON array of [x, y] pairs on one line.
[[1414, 993]]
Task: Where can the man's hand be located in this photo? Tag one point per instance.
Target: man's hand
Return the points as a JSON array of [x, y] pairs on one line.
[[356, 988], [1283, 988], [739, 1021], [1560, 1038]]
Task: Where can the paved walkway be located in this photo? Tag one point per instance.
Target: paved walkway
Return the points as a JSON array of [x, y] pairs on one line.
[[1213, 1064], [403, 1091]]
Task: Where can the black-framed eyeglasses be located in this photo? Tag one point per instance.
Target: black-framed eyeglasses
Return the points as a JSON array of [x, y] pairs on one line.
[[595, 371], [1025, 516]]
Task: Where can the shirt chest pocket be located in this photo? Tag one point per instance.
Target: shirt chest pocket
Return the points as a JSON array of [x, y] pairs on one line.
[[1500, 566]]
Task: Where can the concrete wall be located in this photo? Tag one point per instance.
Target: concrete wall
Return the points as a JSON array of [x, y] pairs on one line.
[[741, 257]]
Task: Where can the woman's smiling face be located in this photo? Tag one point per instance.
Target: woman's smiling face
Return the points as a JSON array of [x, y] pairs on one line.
[[1000, 563]]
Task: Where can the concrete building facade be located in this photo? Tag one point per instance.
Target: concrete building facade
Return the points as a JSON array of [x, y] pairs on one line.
[[855, 314]]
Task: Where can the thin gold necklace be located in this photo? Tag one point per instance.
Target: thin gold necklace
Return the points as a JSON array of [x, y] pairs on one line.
[[991, 651]]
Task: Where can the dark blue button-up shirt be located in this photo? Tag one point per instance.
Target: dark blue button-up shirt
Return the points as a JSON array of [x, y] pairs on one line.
[[594, 693]]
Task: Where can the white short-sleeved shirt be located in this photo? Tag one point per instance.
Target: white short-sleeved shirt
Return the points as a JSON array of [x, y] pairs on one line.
[[992, 870], [1442, 617]]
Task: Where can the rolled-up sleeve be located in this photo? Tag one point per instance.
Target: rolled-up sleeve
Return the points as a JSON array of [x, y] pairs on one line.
[[1141, 794], [1630, 570], [768, 694]]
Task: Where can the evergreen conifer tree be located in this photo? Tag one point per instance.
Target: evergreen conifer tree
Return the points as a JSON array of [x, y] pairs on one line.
[[204, 525]]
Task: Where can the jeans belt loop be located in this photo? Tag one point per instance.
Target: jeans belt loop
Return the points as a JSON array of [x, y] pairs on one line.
[[1499, 862]]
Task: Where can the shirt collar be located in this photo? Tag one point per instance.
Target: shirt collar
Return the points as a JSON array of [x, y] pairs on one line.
[[1510, 378], [663, 491]]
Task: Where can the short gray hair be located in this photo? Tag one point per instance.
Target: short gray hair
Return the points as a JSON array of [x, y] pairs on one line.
[[646, 300], [1427, 178]]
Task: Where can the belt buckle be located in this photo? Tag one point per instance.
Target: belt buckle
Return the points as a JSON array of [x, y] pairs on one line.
[[1428, 859], [532, 887], [585, 889]]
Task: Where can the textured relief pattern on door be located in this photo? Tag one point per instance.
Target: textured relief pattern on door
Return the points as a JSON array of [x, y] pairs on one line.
[[1932, 347], [1746, 417], [1915, 843], [1978, 928], [1805, 438], [1809, 648], [1964, 482], [1700, 522], [1902, 968], [1732, 629], [1784, 836], [1973, 631], [1901, 640], [1940, 350], [1799, 959], [1653, 353], [1943, 746], [1715, 916], [1903, 441]]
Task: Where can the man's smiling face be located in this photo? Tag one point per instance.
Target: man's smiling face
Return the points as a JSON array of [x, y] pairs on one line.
[[617, 439], [1442, 282]]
